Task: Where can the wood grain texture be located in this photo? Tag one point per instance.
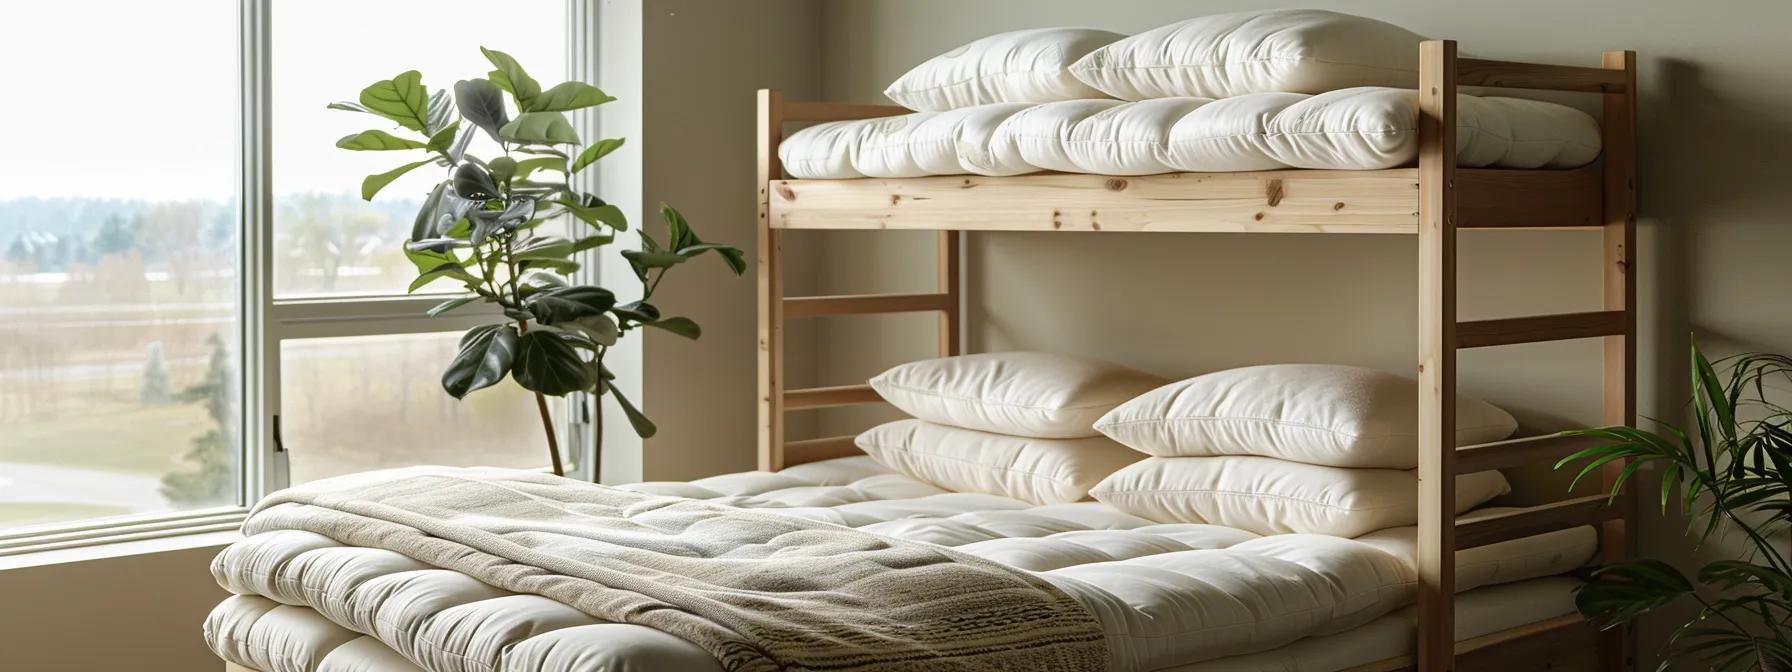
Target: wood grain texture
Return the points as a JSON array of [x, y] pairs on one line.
[[1618, 127], [830, 397], [816, 450], [1528, 199], [1533, 520], [770, 275], [864, 304], [1539, 328], [1437, 355], [1516, 75], [1547, 449], [947, 281]]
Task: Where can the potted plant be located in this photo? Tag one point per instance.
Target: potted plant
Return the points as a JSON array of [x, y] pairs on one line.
[[1731, 476], [481, 226]]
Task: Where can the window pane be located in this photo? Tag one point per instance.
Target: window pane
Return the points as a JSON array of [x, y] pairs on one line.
[[373, 402], [118, 248], [328, 240]]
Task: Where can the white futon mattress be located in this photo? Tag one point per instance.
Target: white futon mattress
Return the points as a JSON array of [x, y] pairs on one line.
[[1167, 595], [1365, 128]]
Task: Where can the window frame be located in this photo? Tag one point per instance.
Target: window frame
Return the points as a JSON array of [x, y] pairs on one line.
[[265, 322]]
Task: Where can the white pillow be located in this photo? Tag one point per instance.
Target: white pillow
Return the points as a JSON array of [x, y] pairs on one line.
[[1294, 50], [1270, 496], [1342, 416], [1042, 471], [1023, 66], [1032, 394]]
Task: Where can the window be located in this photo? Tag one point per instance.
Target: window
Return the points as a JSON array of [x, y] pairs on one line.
[[189, 279], [118, 261]]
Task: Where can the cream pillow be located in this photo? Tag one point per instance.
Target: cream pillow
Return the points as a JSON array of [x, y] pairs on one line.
[[1341, 416], [1033, 394], [1291, 50], [1042, 471], [1023, 66], [1269, 496]]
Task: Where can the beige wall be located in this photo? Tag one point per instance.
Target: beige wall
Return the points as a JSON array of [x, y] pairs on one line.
[[1715, 91], [138, 612]]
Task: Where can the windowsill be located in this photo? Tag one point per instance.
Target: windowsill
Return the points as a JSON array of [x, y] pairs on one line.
[[119, 549]]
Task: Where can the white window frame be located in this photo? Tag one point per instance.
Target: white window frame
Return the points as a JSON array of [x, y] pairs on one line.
[[266, 322]]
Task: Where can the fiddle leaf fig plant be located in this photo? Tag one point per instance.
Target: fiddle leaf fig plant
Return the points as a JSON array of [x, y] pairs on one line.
[[1732, 477], [481, 228]]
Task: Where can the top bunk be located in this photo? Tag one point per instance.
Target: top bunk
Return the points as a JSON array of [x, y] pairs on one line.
[[1568, 188]]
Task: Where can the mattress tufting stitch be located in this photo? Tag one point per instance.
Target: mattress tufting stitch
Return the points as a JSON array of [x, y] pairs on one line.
[[1166, 594]]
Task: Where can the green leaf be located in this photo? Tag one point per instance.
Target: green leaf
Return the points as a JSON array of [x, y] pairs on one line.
[[637, 311], [474, 184], [545, 248], [452, 269], [569, 96], [570, 303], [599, 328], [503, 168], [644, 428], [487, 354], [589, 242], [374, 183], [440, 110], [683, 326], [424, 225], [545, 363], [451, 304], [425, 260], [401, 99], [349, 107], [510, 76], [596, 151], [527, 166], [377, 141], [542, 128], [482, 103], [605, 214], [443, 139]]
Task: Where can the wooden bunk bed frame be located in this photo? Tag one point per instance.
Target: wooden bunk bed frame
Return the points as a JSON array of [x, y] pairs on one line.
[[1432, 201]]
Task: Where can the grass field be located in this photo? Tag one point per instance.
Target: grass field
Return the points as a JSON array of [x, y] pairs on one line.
[[127, 439]]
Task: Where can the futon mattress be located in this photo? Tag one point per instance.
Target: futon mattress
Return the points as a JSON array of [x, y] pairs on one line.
[[1166, 594], [1364, 128]]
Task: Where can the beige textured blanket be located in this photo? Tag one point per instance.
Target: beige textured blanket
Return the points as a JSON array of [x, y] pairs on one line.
[[760, 591]]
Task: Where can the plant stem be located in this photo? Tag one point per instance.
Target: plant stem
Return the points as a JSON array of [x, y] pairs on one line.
[[597, 439], [547, 424]]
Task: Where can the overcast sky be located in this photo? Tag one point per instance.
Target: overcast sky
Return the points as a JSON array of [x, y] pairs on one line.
[[138, 99]]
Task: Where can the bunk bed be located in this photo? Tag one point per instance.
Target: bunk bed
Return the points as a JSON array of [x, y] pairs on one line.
[[310, 601], [1433, 201]]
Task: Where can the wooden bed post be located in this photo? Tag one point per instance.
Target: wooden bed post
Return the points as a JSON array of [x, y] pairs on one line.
[[1619, 388], [948, 284], [1437, 356], [770, 251]]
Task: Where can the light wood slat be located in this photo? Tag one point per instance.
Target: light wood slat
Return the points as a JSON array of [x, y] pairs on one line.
[[829, 397], [816, 450], [946, 279], [864, 304], [1539, 328], [1289, 201], [1549, 645], [1548, 449], [1436, 557], [1536, 520], [1493, 198], [769, 249], [817, 111], [1516, 75], [1618, 130]]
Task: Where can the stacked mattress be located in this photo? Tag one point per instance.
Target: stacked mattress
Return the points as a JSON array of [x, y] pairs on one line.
[[1169, 596]]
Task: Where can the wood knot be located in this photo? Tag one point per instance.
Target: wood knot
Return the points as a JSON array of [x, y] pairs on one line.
[[786, 193], [1115, 184], [1338, 206], [895, 199], [1258, 217], [1275, 193]]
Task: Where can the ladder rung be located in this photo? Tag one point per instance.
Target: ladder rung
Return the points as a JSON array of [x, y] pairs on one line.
[[828, 397], [1519, 452], [864, 304], [816, 450], [1514, 330], [1537, 520]]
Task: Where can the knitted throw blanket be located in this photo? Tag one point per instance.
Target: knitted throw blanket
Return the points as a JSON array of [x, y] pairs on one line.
[[760, 591]]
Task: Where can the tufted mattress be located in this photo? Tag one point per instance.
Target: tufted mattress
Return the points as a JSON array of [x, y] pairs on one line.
[[1365, 128], [1168, 596]]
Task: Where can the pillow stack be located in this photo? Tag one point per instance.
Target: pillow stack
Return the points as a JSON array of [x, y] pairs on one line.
[[1209, 57], [1302, 448], [1015, 424]]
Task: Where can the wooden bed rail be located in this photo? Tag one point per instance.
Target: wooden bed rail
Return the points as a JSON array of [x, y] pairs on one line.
[[1515, 75]]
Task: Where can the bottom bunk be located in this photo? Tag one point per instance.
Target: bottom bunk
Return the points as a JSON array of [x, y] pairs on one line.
[[1167, 596]]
